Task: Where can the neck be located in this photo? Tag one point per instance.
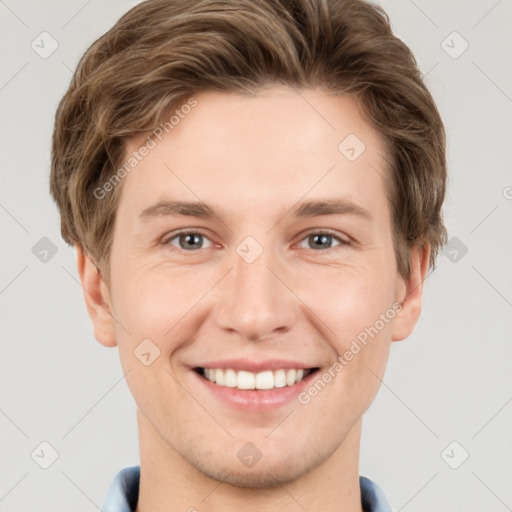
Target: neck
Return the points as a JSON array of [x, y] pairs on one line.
[[169, 482]]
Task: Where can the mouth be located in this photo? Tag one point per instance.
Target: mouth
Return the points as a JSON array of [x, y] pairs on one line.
[[245, 380], [253, 385]]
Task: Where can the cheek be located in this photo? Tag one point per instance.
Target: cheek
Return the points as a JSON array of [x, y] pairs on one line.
[[352, 304], [348, 299], [157, 302]]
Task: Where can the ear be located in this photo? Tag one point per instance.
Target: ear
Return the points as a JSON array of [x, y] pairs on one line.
[[410, 293], [97, 299]]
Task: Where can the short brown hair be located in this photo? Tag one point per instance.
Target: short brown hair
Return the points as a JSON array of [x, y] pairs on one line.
[[162, 52]]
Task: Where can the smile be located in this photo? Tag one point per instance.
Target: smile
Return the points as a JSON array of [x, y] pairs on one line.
[[245, 380]]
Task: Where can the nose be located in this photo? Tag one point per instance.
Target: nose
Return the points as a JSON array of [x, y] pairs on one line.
[[255, 301]]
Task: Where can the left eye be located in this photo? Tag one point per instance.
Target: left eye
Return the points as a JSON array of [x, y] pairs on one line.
[[322, 240]]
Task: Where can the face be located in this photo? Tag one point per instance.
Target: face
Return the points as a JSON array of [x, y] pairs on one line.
[[285, 262]]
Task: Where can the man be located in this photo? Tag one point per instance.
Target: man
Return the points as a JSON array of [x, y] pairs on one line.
[[254, 191]]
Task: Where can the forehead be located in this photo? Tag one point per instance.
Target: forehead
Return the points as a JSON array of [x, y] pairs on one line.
[[275, 146]]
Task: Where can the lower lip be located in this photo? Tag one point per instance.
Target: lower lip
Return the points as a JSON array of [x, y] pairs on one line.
[[257, 399]]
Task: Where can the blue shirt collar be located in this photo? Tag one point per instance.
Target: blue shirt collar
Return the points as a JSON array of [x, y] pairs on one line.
[[123, 493]]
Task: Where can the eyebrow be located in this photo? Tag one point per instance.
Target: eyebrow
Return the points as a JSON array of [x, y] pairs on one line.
[[313, 208]]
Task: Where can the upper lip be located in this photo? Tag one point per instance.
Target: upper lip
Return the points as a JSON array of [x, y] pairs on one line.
[[255, 366]]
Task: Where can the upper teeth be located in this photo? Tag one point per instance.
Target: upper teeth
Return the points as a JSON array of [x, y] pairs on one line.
[[248, 380]]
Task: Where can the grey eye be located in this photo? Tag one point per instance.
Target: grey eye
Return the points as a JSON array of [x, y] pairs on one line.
[[188, 241], [321, 240]]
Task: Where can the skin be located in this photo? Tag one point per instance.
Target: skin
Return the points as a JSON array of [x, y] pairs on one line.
[[252, 158]]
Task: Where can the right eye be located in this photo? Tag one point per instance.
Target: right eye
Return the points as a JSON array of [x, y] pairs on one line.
[[188, 240]]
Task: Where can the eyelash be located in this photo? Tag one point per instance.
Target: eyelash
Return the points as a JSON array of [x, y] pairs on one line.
[[314, 232]]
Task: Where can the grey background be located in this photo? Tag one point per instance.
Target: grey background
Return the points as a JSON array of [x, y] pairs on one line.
[[451, 381]]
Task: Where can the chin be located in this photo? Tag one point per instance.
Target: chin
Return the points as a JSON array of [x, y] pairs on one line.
[[266, 474]]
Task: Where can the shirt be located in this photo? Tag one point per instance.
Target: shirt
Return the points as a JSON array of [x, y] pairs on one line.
[[123, 493]]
